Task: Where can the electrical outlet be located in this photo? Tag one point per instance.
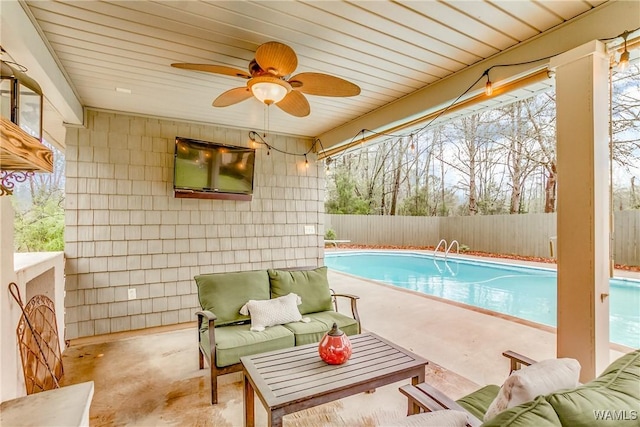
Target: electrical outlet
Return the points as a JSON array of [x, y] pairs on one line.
[[309, 229], [132, 293]]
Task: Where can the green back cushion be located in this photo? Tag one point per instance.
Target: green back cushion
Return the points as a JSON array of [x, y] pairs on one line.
[[478, 402], [615, 394], [310, 285], [538, 413], [225, 293]]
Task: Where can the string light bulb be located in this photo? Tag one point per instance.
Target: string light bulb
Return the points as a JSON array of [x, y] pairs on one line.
[[306, 162], [413, 145], [488, 87], [623, 63]]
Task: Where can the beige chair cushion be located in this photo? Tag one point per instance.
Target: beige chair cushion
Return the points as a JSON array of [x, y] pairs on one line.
[[524, 385]]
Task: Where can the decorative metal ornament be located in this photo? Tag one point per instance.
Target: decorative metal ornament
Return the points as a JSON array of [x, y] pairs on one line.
[[8, 180]]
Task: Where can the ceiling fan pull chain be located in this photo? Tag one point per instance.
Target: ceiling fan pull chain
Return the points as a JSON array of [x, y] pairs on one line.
[[265, 128], [265, 118]]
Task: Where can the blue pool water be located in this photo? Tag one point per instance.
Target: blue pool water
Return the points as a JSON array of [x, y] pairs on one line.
[[524, 292]]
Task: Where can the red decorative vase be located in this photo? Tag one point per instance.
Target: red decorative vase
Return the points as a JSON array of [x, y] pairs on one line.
[[335, 347]]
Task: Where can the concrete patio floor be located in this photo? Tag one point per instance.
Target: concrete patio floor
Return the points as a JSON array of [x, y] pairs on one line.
[[151, 377]]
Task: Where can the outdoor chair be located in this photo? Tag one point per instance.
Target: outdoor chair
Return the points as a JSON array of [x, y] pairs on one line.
[[541, 393]]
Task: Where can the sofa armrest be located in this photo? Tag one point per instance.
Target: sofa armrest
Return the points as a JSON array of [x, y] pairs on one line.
[[210, 317], [517, 360], [428, 399], [354, 306]]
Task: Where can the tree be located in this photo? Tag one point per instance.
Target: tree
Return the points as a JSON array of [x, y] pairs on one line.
[[500, 161], [39, 206], [626, 117], [541, 113], [343, 198], [466, 138]]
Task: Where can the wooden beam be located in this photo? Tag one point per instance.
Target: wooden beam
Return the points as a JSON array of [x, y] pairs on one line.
[[21, 151]]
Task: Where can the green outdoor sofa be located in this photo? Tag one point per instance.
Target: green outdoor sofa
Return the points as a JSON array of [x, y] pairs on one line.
[[613, 398], [273, 319]]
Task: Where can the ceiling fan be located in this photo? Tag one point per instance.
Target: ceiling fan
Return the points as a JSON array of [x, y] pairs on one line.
[[268, 81]]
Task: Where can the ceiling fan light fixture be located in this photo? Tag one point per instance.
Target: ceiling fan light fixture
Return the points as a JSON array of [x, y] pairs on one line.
[[269, 89]]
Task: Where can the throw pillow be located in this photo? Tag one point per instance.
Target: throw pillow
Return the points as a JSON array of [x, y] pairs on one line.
[[524, 385], [444, 418], [270, 312]]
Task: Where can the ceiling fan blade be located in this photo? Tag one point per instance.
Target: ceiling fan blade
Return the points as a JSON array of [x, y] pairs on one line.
[[218, 69], [232, 96], [276, 58], [323, 85], [295, 104]]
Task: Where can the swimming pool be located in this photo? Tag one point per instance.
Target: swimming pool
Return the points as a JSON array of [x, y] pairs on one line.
[[524, 292]]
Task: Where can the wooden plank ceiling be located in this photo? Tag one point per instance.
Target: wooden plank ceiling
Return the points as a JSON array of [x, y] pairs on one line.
[[117, 54]]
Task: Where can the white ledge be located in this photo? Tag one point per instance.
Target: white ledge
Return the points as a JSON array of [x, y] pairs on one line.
[[65, 406]]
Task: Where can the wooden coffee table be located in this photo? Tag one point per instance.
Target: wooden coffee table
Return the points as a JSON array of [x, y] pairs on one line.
[[296, 378]]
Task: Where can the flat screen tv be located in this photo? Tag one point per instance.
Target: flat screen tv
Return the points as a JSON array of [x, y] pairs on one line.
[[212, 171]]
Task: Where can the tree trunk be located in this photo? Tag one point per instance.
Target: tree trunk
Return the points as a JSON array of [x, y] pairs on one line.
[[471, 136], [397, 174], [550, 189], [473, 202]]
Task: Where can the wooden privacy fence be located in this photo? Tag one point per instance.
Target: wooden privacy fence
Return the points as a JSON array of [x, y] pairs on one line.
[[527, 235]]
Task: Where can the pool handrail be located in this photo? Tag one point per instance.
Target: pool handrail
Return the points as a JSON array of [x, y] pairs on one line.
[[449, 248], [435, 251]]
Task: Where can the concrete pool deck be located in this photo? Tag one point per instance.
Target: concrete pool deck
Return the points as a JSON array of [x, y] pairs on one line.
[[466, 341], [151, 377]]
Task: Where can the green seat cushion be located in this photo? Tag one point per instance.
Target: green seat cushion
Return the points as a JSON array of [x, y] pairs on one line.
[[235, 341], [224, 294], [320, 324], [478, 402], [310, 285], [615, 394], [538, 413]]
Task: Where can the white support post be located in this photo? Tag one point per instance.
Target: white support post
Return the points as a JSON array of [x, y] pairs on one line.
[[583, 206]]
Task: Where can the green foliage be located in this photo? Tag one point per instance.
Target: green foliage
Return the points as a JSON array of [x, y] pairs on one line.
[[39, 206], [41, 228], [330, 234], [343, 198], [415, 205], [464, 248]]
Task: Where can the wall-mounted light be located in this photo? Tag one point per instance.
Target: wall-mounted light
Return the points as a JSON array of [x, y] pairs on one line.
[[269, 89], [22, 100]]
